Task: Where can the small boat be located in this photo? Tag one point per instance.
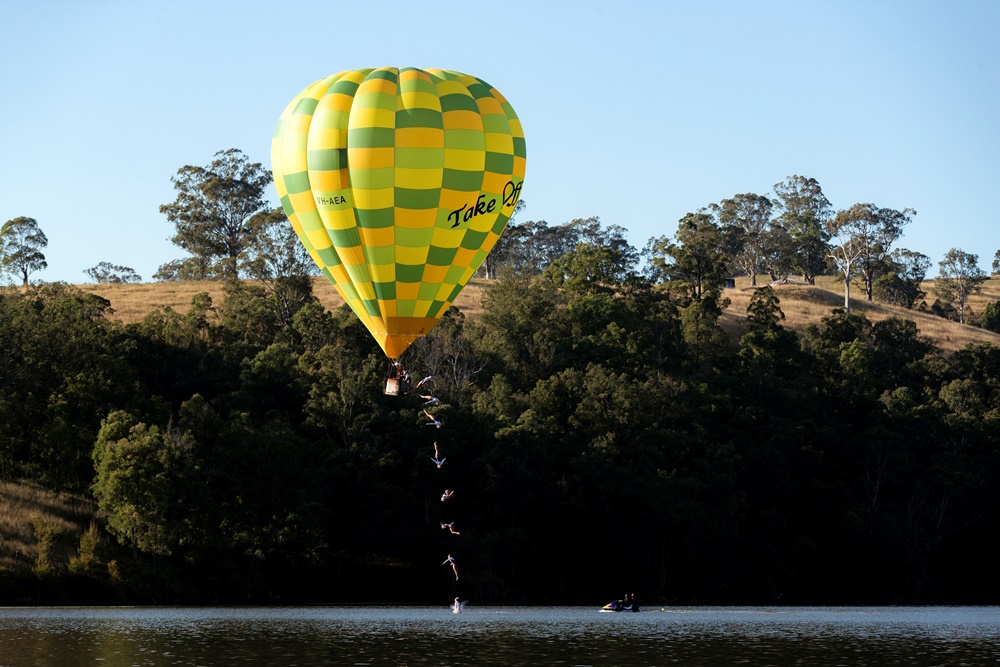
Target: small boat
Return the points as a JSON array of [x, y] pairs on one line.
[[620, 605]]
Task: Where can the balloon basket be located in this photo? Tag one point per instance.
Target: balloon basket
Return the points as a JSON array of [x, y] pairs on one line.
[[398, 382]]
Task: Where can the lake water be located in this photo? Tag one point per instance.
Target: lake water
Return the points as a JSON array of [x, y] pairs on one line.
[[817, 636]]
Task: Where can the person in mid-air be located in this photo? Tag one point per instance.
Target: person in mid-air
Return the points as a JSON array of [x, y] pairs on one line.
[[431, 400], [429, 378], [437, 458], [451, 528], [433, 422], [448, 493], [454, 569]]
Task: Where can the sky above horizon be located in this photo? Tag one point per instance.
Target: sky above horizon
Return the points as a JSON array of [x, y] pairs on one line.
[[635, 112]]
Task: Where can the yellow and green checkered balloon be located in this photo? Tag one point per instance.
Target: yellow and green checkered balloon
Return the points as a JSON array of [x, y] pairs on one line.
[[399, 182]]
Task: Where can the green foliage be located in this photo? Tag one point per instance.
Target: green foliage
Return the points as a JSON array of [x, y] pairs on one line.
[[212, 213], [700, 330], [603, 431], [701, 255], [589, 268], [137, 482], [990, 319], [62, 367], [48, 543], [21, 244], [751, 214], [87, 560], [529, 248], [960, 278], [108, 273], [804, 212]]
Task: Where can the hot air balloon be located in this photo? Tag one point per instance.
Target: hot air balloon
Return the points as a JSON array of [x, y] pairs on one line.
[[399, 182]]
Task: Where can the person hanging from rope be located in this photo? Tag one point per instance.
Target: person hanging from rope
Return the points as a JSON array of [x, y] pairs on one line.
[[433, 422], [437, 458], [448, 493], [451, 561], [451, 528]]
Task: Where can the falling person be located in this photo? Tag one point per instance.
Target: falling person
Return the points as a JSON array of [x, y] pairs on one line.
[[437, 458], [432, 422], [448, 493], [429, 378], [450, 527], [431, 400], [454, 569]]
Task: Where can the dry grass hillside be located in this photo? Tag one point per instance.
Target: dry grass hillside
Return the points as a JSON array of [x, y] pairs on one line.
[[802, 304], [26, 511], [808, 304], [132, 302]]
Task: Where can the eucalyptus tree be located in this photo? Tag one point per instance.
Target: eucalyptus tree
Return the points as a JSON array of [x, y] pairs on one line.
[[21, 243], [990, 319], [699, 254], [107, 273], [846, 245], [752, 214], [277, 259], [900, 284], [804, 211], [213, 207], [500, 252], [877, 229], [960, 278]]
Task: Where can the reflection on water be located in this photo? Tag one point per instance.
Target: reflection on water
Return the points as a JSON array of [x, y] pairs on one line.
[[113, 637]]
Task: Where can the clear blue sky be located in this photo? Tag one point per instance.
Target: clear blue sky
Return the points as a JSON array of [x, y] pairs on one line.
[[636, 112]]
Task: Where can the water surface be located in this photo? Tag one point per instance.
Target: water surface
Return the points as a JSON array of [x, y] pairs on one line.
[[857, 636]]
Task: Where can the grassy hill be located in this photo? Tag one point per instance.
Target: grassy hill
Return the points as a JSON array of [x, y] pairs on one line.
[[802, 304], [806, 304], [27, 512]]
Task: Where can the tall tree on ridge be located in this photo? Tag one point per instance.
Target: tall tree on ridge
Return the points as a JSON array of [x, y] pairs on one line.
[[804, 211], [846, 245], [751, 213], [213, 208], [960, 278], [701, 252], [877, 229], [21, 243]]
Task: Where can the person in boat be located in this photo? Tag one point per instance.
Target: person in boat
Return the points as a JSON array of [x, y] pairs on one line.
[[437, 458], [450, 527], [433, 422], [451, 560], [448, 493]]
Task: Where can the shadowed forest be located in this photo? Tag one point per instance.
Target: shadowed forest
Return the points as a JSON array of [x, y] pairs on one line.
[[604, 429], [599, 438]]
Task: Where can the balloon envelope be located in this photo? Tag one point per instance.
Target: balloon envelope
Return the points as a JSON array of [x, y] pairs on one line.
[[399, 182]]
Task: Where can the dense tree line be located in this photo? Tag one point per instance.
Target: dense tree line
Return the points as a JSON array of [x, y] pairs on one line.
[[602, 434]]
